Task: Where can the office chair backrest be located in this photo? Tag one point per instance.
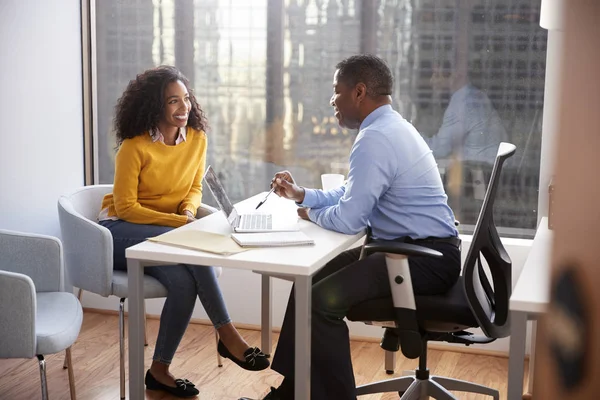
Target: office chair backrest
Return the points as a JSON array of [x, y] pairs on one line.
[[489, 302], [88, 245]]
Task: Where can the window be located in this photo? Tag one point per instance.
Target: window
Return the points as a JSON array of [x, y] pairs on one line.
[[468, 74]]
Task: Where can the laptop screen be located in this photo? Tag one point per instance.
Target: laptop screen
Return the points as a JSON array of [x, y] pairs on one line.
[[218, 191]]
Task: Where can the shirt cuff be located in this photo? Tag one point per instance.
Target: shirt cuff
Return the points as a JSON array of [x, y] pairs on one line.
[[310, 198], [313, 214]]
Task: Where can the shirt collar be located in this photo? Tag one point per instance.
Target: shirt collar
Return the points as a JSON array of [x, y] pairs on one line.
[[157, 135], [375, 114]]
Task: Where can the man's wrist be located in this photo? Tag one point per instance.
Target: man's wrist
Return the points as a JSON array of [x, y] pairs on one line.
[[300, 198]]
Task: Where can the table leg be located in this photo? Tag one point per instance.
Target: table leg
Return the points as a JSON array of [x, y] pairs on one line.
[[303, 291], [266, 315], [135, 276], [532, 357], [516, 359]]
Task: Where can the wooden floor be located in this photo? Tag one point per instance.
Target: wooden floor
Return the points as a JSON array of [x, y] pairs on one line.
[[96, 366]]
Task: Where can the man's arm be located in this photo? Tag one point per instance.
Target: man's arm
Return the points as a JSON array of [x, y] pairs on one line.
[[317, 198], [451, 133], [372, 168]]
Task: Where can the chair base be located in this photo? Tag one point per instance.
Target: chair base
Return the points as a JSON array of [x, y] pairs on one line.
[[437, 387]]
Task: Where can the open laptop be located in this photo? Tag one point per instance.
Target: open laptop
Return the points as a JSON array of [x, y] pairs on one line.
[[253, 222]]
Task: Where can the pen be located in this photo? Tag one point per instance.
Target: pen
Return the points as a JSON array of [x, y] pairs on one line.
[[265, 199]]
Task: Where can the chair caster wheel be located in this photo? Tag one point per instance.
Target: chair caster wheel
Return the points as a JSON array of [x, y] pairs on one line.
[[389, 371]]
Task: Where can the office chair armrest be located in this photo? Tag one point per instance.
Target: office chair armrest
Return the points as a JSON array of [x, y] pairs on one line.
[[405, 307], [17, 315], [407, 249]]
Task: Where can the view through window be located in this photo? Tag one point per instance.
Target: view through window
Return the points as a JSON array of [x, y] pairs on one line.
[[468, 74]]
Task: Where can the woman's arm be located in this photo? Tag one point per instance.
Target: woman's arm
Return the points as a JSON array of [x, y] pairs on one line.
[[128, 164]]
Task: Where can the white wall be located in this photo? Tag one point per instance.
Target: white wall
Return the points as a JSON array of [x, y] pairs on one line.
[[41, 150], [241, 290]]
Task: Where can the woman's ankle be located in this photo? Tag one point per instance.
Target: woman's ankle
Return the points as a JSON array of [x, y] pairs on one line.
[[234, 342], [160, 372]]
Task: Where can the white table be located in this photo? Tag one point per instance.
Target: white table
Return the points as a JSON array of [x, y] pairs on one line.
[[298, 264], [529, 300]]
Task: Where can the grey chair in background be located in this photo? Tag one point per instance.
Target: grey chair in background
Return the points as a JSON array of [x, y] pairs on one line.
[[37, 316], [89, 257]]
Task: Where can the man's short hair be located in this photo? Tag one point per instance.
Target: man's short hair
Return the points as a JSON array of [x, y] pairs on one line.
[[368, 69]]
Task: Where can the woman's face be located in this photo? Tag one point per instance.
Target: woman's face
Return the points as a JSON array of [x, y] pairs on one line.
[[177, 104]]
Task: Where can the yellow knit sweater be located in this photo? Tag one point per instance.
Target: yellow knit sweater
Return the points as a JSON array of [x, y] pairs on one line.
[[155, 183]]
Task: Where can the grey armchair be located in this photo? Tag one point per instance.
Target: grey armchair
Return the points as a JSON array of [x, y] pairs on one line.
[[89, 256], [36, 316]]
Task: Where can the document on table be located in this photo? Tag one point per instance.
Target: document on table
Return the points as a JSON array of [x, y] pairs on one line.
[[199, 240], [272, 239]]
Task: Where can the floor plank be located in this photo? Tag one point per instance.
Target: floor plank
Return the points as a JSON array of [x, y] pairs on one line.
[[96, 364]]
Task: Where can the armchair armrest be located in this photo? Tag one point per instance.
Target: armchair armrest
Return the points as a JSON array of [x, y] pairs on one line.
[[88, 250], [17, 315], [40, 257], [405, 307], [205, 210]]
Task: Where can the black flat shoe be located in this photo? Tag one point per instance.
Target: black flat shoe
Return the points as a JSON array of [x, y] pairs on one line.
[[184, 387], [255, 360]]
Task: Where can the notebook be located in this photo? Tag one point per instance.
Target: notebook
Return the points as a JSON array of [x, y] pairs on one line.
[[199, 240], [272, 239]]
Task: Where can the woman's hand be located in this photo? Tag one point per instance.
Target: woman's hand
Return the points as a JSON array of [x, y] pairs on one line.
[[190, 216]]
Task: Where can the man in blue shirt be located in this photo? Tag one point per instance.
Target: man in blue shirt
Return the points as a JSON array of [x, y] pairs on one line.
[[394, 188]]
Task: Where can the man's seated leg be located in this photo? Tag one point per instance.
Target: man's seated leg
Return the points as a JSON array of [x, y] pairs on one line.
[[337, 287]]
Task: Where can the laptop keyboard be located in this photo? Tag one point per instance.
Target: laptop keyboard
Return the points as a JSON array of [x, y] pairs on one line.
[[256, 221]]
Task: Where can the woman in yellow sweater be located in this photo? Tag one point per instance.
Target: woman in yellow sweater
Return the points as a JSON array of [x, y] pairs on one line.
[[159, 167]]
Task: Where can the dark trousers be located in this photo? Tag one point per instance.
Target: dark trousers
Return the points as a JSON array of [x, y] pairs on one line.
[[344, 282]]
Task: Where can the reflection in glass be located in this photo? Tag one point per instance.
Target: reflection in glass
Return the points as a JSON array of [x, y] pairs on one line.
[[262, 71]]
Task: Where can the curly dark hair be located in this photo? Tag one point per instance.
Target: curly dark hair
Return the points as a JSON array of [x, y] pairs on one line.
[[141, 106]]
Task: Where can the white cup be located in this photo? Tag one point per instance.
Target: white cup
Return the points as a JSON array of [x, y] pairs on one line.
[[332, 181]]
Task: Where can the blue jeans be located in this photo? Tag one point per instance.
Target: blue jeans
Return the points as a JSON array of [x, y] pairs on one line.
[[183, 283]]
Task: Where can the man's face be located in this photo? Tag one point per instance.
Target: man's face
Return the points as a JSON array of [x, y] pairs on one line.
[[440, 80], [345, 104]]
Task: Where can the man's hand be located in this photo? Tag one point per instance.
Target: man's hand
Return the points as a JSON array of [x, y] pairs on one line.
[[285, 187], [303, 213], [190, 216]]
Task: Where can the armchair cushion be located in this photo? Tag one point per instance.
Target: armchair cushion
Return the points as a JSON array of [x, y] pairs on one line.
[[58, 321], [451, 307], [153, 289]]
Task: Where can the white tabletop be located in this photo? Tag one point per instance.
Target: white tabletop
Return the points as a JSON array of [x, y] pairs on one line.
[[531, 294], [296, 260]]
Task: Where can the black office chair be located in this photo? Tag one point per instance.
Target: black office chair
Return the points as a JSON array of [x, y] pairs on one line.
[[412, 321]]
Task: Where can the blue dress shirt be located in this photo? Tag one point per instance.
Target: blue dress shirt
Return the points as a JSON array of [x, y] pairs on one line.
[[393, 185]]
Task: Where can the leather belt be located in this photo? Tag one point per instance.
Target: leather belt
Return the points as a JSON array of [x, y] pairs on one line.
[[453, 240]]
